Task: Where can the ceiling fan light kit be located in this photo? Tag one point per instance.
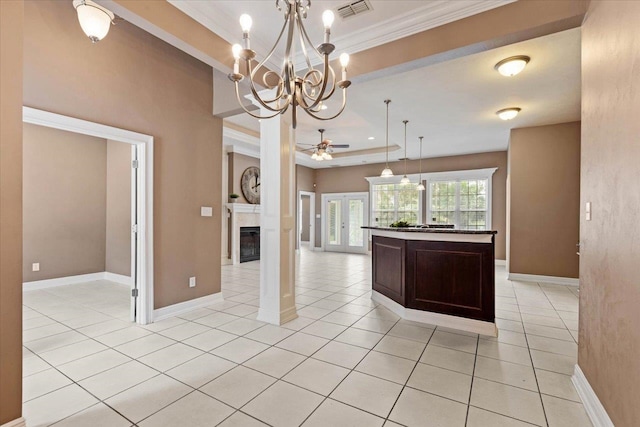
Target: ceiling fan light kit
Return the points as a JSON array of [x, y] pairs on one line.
[[309, 90]]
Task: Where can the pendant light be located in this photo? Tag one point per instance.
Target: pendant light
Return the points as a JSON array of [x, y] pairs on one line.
[[387, 172], [420, 186], [405, 179]]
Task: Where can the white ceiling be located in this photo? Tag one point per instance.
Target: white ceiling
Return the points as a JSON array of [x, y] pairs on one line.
[[453, 104], [388, 21]]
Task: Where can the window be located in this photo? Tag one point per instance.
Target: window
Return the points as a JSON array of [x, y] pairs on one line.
[[392, 202], [462, 202], [462, 198]]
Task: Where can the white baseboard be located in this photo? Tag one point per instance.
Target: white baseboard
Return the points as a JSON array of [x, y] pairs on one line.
[[20, 422], [81, 278], [438, 319], [118, 278], [501, 262], [61, 281], [185, 306], [569, 281], [596, 412]]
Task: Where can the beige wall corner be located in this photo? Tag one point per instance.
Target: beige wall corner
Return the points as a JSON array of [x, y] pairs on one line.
[[118, 218], [238, 163], [11, 33], [64, 203], [134, 81], [609, 344], [544, 175]]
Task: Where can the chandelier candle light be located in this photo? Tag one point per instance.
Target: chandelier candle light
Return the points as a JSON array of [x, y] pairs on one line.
[[420, 186], [405, 179], [387, 172], [309, 90]]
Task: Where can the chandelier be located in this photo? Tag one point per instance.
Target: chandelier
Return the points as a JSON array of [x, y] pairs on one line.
[[308, 90]]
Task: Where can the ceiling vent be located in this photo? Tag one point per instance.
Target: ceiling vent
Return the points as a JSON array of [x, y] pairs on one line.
[[354, 8]]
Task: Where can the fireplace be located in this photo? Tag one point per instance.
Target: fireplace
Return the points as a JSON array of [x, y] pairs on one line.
[[249, 244]]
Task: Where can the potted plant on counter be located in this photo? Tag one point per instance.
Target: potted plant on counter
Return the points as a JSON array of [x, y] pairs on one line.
[[233, 197]]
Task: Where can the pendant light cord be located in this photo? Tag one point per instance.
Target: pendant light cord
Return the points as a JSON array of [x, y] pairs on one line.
[[387, 101], [421, 160], [405, 146]]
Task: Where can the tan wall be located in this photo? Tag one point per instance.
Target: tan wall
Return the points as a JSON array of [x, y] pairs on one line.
[[544, 174], [352, 179], [305, 181], [64, 203], [118, 221], [134, 81], [11, 35], [609, 341], [238, 163], [304, 216]]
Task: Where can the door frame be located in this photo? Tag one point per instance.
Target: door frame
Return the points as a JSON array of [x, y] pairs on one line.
[[144, 145], [325, 196], [312, 220]]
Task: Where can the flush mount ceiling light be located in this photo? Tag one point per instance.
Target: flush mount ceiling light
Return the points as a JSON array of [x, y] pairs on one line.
[[420, 186], [508, 113], [405, 179], [513, 65], [94, 19], [307, 90], [387, 172], [371, 138]]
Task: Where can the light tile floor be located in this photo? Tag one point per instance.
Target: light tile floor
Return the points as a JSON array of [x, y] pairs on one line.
[[344, 361]]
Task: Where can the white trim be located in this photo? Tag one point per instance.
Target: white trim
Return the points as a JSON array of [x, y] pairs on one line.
[[80, 278], [312, 218], [144, 221], [438, 319], [568, 281], [501, 262], [118, 278], [19, 422], [185, 306], [62, 281], [596, 412]]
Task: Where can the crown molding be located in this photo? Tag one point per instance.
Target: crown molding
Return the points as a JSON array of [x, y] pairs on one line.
[[433, 14], [221, 24]]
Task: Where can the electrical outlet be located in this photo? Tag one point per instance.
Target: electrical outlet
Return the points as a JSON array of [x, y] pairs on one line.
[[192, 282], [35, 266]]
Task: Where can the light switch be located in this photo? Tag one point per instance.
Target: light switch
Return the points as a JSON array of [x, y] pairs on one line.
[[206, 211], [192, 282], [35, 266], [587, 211]]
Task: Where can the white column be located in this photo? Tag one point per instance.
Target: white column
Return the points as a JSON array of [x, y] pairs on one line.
[[277, 222]]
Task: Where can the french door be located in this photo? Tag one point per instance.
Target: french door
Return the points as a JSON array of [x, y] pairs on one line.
[[343, 216]]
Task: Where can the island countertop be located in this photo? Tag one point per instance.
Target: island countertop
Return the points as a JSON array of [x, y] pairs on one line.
[[419, 229]]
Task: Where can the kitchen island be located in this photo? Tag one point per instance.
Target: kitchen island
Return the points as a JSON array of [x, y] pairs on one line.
[[444, 277]]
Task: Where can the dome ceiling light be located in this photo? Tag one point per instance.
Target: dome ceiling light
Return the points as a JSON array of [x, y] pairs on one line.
[[94, 19], [508, 113], [513, 65]]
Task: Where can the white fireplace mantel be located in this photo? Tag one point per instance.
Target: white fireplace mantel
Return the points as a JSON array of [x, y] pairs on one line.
[[242, 215]]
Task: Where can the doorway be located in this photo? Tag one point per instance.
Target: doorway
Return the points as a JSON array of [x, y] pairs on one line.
[[141, 281], [306, 220], [343, 215]]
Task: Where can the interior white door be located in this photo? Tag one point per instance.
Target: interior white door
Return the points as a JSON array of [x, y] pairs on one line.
[[344, 215]]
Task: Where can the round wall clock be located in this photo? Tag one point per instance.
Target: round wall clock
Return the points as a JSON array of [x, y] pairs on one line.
[[250, 185]]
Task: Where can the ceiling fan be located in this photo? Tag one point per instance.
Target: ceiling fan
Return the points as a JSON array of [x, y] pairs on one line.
[[323, 150]]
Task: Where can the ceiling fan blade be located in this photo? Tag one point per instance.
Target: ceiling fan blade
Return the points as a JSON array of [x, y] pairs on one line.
[[340, 145]]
